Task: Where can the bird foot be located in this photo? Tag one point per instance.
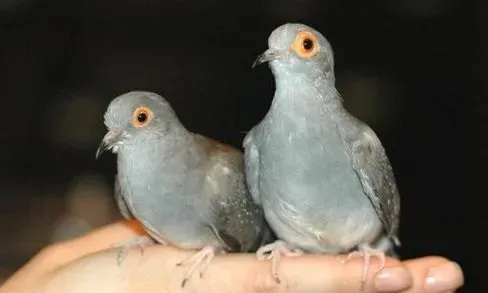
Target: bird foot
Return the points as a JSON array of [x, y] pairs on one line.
[[200, 259], [366, 252], [273, 252], [142, 242]]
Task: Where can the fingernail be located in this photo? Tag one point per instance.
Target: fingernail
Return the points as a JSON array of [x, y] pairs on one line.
[[393, 279], [444, 278]]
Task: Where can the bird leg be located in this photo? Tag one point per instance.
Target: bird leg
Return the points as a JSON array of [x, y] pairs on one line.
[[140, 241], [387, 245], [274, 251], [365, 251], [200, 259]]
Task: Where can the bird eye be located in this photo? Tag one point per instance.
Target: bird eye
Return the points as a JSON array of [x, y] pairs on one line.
[[305, 44], [141, 116]]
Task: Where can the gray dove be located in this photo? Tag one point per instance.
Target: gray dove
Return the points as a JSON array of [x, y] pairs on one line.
[[187, 190], [320, 174]]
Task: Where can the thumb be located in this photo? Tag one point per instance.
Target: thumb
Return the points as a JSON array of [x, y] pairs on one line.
[[59, 254]]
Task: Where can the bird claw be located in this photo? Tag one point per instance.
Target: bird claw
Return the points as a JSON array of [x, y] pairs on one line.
[[139, 241], [200, 259], [273, 252], [367, 252]]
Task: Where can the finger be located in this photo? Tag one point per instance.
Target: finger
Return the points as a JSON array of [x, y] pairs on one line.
[[99, 239], [156, 271], [434, 275], [320, 273]]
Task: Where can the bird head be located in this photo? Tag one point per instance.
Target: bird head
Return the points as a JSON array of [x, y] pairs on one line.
[[295, 48], [136, 117]]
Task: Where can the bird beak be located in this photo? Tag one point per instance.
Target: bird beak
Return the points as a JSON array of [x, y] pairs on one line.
[[108, 141], [268, 55]]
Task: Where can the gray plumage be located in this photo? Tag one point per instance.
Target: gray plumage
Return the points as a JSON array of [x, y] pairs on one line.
[[320, 174], [119, 199], [186, 189]]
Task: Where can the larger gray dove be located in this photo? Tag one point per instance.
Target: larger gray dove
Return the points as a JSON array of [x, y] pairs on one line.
[[320, 174], [187, 190]]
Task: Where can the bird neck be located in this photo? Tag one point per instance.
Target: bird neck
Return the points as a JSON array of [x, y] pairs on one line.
[[171, 151], [299, 92]]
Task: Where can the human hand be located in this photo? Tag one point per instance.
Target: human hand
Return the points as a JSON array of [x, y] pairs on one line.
[[88, 264]]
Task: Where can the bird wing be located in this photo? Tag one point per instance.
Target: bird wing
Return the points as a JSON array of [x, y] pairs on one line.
[[373, 168], [237, 221], [119, 199], [251, 156]]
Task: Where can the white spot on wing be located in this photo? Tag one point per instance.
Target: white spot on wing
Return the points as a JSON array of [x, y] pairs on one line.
[[214, 184], [225, 170]]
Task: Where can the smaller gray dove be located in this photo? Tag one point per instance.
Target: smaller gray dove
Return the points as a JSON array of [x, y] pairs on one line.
[[320, 174], [187, 190]]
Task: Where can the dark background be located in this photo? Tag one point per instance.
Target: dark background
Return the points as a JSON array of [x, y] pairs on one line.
[[403, 66]]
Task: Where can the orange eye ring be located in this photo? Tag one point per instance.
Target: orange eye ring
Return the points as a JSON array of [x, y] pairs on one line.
[[141, 116], [305, 44]]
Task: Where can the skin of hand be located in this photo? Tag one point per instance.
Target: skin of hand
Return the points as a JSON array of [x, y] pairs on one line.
[[87, 263]]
